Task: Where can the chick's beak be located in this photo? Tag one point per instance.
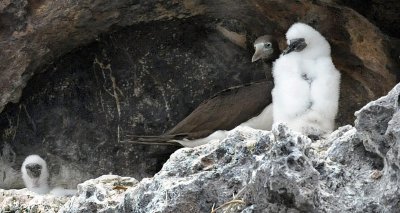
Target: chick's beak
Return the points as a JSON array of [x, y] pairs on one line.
[[296, 45], [257, 55]]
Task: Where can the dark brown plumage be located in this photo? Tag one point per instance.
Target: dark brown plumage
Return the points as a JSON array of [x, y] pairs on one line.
[[226, 109]]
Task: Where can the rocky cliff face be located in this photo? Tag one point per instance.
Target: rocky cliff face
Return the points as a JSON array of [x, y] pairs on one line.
[[382, 13], [355, 169], [94, 72]]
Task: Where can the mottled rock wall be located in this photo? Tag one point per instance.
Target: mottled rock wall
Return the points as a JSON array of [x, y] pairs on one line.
[[36, 32], [91, 98], [383, 13], [148, 64]]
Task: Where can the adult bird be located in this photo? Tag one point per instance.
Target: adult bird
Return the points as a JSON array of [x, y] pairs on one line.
[[306, 91], [246, 105]]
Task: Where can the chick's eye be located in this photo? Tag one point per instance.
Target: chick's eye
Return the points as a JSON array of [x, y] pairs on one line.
[[267, 45]]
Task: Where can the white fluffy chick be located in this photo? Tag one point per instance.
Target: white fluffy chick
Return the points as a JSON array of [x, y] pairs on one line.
[[35, 174], [306, 92]]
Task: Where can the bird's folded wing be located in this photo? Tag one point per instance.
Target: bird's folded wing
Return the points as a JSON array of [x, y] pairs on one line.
[[227, 109], [223, 111]]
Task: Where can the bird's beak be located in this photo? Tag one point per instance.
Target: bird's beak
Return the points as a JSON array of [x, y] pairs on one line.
[[257, 55], [296, 45]]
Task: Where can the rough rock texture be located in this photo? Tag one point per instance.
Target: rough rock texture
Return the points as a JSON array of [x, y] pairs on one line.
[[263, 171], [355, 169], [383, 13], [35, 32], [145, 78], [23, 200], [103, 194]]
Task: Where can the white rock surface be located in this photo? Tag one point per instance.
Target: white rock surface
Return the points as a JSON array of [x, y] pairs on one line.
[[23, 200], [102, 194]]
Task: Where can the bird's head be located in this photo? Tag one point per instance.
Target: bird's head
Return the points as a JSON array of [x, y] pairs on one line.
[[266, 47], [305, 40], [33, 170], [35, 167]]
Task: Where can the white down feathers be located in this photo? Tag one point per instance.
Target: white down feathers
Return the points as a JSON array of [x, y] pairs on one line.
[[36, 184], [40, 183], [306, 92]]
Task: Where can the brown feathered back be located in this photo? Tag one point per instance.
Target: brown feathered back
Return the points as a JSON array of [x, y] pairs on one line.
[[225, 110]]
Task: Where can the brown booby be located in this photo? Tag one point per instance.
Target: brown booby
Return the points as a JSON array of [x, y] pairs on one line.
[[245, 105]]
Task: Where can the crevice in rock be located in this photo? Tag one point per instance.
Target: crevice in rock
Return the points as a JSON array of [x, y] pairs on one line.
[[296, 164], [394, 173], [373, 159], [282, 196]]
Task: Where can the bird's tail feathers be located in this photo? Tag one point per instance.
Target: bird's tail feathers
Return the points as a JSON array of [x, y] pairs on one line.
[[151, 140]]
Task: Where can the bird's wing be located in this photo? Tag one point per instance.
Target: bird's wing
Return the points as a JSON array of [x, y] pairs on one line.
[[226, 110], [223, 111]]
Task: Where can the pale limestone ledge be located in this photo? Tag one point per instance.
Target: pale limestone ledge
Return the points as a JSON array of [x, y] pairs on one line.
[[106, 191]]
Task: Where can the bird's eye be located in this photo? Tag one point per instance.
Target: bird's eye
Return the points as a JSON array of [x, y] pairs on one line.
[[267, 45]]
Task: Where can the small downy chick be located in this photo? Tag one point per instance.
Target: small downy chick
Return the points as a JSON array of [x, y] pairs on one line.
[[36, 177], [35, 174]]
